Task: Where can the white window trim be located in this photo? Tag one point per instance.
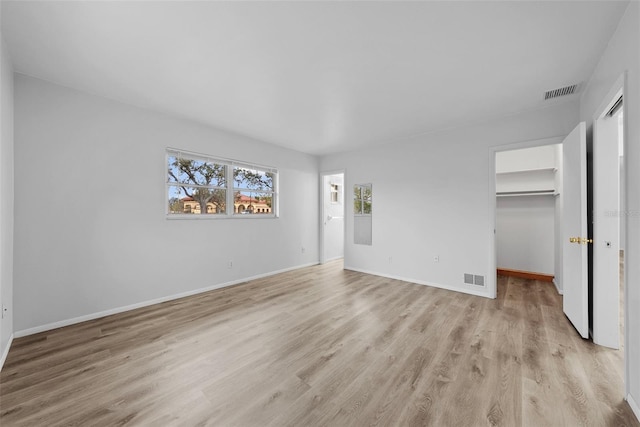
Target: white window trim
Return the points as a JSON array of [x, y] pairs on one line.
[[230, 188]]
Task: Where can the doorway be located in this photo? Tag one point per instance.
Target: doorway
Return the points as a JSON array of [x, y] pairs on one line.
[[570, 217], [609, 226], [611, 307], [526, 211], [332, 219], [526, 196], [518, 179]]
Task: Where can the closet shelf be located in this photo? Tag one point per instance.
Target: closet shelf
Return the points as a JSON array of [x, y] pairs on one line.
[[525, 171], [527, 193]]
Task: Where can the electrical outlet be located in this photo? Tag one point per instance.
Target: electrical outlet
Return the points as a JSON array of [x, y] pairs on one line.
[[436, 258], [4, 310], [303, 249], [230, 264]]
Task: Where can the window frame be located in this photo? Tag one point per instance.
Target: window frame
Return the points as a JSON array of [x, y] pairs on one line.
[[229, 187], [362, 200], [273, 192], [334, 190]]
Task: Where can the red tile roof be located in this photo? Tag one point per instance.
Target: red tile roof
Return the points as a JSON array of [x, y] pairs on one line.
[[242, 198]]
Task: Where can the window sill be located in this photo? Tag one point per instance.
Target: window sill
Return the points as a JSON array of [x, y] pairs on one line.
[[198, 217]]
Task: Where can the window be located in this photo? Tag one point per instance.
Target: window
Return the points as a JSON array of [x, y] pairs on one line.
[[253, 188], [334, 193], [362, 219], [362, 199], [201, 186], [195, 183]]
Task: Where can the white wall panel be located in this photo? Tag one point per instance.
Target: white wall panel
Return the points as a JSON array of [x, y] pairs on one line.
[[91, 233], [6, 199]]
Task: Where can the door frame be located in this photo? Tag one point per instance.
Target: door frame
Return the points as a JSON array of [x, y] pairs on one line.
[[620, 86], [321, 242], [492, 282]]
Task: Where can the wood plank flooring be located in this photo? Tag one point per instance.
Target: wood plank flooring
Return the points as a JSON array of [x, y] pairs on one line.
[[320, 346]]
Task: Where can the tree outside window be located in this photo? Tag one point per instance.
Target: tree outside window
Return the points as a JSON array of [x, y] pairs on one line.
[[199, 185]]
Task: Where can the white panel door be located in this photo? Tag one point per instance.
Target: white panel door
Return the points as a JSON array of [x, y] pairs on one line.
[[606, 233], [332, 217], [574, 225]]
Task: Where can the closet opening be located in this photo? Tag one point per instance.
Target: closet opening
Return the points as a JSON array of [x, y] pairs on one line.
[[528, 214]]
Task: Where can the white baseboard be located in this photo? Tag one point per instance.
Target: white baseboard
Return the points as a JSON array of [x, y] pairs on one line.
[[634, 406], [470, 291], [92, 316], [557, 288], [5, 353]]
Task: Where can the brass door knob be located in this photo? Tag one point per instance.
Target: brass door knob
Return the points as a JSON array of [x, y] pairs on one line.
[[580, 240]]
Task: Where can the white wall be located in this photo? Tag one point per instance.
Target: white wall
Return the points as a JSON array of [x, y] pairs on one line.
[[90, 227], [558, 229], [6, 198], [622, 207], [526, 159], [431, 198], [623, 54], [525, 233]]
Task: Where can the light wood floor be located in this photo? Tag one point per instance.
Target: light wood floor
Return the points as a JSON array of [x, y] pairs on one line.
[[320, 347]]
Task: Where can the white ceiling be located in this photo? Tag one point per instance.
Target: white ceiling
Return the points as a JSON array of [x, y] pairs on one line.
[[318, 77]]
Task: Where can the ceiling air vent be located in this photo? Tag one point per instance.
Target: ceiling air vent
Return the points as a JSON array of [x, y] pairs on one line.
[[567, 90]]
